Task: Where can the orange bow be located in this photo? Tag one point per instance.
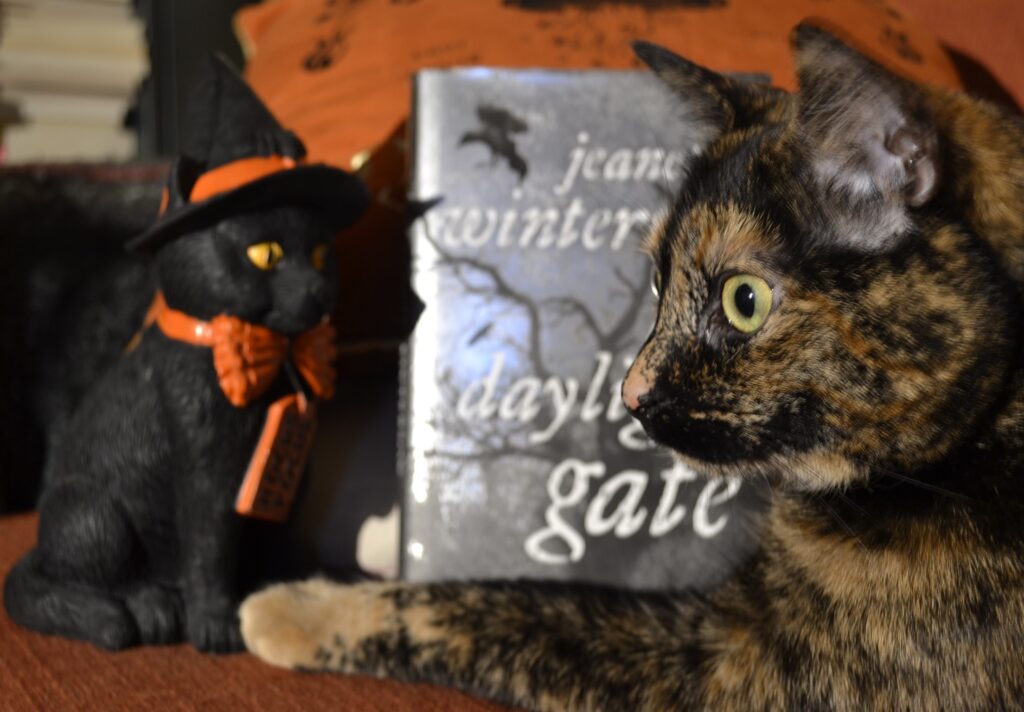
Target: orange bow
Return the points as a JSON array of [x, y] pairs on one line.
[[247, 357]]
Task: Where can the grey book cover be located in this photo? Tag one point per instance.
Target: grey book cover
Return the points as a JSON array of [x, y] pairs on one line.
[[519, 459]]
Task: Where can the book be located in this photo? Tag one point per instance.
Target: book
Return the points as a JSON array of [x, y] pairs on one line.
[[69, 71], [519, 459], [89, 109], [72, 29], [99, 9], [56, 141]]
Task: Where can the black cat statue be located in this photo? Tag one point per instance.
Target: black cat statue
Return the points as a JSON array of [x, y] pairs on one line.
[[206, 420]]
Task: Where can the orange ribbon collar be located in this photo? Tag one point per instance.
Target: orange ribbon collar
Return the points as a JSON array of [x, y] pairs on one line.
[[248, 357]]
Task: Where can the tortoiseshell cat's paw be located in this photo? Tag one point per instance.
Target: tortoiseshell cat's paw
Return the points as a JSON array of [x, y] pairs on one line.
[[320, 625]]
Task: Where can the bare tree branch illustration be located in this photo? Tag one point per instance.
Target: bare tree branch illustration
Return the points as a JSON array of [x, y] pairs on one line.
[[500, 289], [496, 438], [568, 306], [638, 295], [611, 339]]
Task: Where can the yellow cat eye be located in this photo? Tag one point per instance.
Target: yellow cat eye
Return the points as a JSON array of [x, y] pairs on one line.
[[265, 255], [318, 258], [746, 301]]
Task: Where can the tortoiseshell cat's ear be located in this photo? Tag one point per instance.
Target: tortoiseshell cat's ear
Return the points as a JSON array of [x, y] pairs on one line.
[[871, 137], [713, 104]]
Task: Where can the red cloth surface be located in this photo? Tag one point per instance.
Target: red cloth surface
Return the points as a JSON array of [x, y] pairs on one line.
[[43, 673]]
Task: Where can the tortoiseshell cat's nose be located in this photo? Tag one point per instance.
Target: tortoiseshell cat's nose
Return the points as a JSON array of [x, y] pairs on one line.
[[635, 388]]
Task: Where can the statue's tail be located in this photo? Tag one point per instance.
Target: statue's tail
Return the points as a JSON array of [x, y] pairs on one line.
[[35, 601]]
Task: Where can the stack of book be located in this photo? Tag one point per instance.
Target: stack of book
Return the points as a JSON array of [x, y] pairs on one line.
[[69, 72]]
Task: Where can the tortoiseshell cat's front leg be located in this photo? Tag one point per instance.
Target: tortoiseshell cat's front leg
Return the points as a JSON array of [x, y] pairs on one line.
[[539, 646]]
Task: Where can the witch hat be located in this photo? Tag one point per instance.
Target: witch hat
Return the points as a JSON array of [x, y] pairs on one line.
[[236, 158]]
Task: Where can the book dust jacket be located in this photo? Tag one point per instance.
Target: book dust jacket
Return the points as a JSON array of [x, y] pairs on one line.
[[520, 460]]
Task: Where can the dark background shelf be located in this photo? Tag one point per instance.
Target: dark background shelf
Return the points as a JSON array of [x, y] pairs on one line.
[[181, 35]]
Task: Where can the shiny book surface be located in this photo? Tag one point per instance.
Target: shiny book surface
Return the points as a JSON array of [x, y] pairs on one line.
[[535, 191]]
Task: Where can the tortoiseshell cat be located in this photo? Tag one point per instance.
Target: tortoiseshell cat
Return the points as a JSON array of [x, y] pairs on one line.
[[840, 312]]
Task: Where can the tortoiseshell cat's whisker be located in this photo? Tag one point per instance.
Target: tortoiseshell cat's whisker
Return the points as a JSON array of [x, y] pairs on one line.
[[923, 485], [842, 522]]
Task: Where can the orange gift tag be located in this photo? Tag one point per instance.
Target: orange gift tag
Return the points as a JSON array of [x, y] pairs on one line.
[[279, 461]]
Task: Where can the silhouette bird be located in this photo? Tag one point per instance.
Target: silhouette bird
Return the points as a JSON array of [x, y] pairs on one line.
[[496, 134]]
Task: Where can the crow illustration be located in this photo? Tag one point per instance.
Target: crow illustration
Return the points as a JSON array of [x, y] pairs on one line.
[[496, 134]]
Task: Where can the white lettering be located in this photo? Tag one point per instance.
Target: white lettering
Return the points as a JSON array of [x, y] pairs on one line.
[[619, 166], [474, 217], [568, 487], [674, 165], [520, 403], [710, 497], [598, 220], [569, 179], [557, 528], [592, 164], [628, 516], [485, 406], [539, 222], [666, 517], [628, 220], [592, 407], [563, 401], [567, 234]]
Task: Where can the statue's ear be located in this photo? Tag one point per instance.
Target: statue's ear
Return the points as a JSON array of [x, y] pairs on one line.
[[714, 104], [869, 133]]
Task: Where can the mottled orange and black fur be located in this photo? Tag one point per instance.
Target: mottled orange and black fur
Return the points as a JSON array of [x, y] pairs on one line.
[[882, 398]]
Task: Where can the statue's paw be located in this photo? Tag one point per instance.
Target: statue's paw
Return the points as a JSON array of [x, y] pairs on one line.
[[317, 624], [157, 613], [214, 632]]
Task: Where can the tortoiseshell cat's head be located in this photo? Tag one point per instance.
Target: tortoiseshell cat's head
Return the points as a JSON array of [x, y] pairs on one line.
[[824, 312], [274, 267]]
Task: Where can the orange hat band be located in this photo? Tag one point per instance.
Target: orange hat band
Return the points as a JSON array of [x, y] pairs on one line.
[[230, 176]]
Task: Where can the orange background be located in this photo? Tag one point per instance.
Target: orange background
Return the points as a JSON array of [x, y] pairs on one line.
[[990, 31], [376, 45]]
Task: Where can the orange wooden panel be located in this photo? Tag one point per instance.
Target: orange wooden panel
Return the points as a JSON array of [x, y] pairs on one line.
[[338, 72]]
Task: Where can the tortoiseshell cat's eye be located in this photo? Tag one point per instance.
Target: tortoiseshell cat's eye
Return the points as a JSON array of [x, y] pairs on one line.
[[318, 258], [265, 255], [656, 283], [746, 301]]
